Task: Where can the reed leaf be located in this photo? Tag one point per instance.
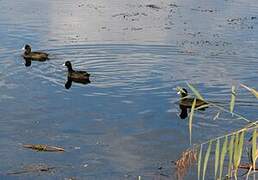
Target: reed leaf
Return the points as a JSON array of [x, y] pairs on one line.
[[235, 154], [248, 173], [206, 158], [230, 154], [180, 90], [202, 106], [191, 120], [222, 156], [254, 150], [199, 162], [253, 91], [236, 150], [196, 93], [233, 99], [241, 143], [217, 158]]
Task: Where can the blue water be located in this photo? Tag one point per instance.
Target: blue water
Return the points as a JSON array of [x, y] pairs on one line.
[[125, 123]]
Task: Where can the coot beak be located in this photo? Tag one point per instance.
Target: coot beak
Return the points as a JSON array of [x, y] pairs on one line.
[[178, 92], [23, 48], [64, 64]]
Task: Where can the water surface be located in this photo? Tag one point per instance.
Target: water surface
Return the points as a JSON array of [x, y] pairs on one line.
[[125, 123]]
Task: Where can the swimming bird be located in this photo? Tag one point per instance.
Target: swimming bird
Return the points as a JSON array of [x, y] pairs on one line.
[[36, 56], [76, 76], [187, 102]]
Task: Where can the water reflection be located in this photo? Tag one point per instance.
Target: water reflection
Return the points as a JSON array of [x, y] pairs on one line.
[[184, 112], [70, 81], [27, 62]]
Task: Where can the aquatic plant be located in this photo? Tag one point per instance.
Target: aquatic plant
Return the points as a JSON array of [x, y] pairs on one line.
[[228, 148], [187, 158]]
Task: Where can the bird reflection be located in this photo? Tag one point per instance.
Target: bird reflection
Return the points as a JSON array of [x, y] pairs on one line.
[[184, 112], [27, 62], [70, 81]]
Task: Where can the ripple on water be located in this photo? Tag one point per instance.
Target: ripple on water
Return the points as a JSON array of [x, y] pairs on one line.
[[129, 102], [134, 66]]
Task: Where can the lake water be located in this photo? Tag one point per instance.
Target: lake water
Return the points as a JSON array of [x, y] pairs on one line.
[[125, 123]]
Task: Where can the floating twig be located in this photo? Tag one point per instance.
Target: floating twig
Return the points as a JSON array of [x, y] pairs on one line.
[[42, 147]]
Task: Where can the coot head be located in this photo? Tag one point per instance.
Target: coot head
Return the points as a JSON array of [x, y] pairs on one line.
[[68, 64], [183, 92], [27, 49]]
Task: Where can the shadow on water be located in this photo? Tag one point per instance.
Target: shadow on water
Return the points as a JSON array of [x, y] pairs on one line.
[[69, 82]]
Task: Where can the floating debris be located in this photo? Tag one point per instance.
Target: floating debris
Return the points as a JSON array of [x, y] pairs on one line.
[[152, 6], [70, 178], [121, 14], [125, 15], [173, 5], [80, 5], [203, 42], [203, 10], [234, 19], [42, 147], [136, 29], [242, 22], [33, 168]]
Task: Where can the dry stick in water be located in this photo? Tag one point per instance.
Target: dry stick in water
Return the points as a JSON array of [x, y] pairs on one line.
[[42, 147]]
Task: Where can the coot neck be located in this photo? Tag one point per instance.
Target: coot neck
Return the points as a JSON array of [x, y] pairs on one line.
[[70, 69], [183, 95], [27, 52]]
